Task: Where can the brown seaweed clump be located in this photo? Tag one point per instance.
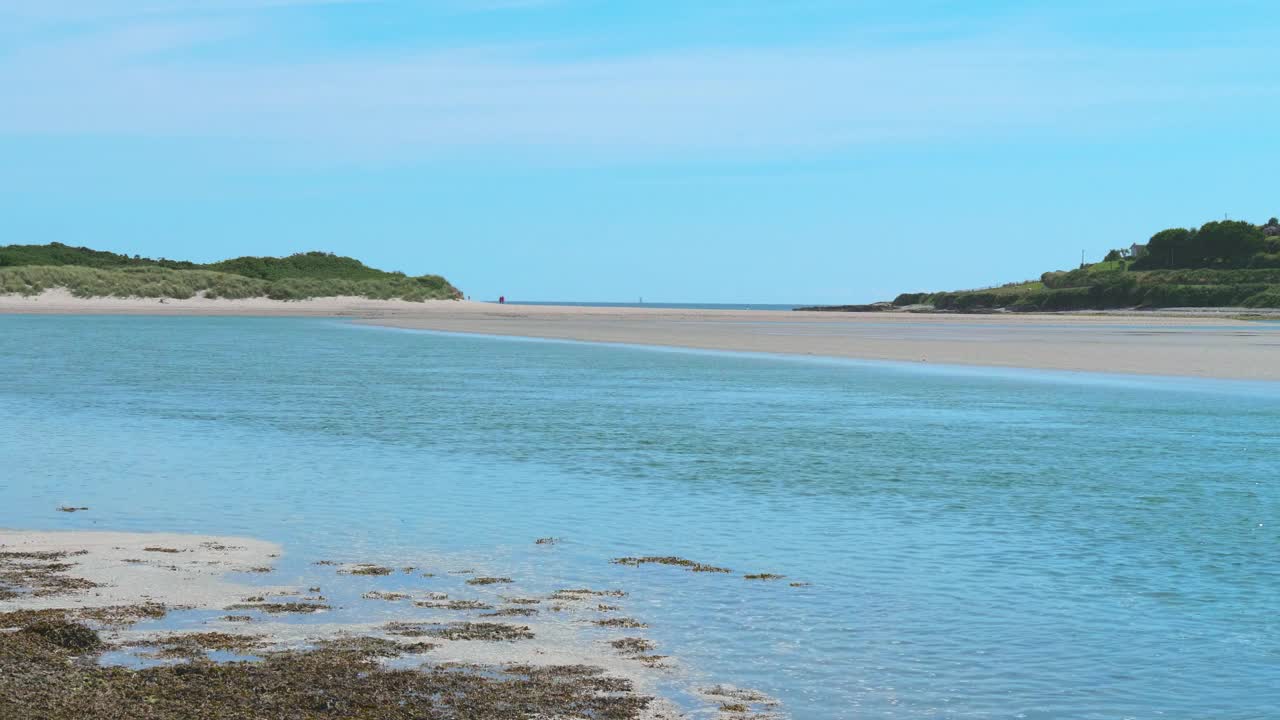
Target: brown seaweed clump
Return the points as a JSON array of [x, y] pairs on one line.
[[195, 645], [286, 607], [388, 596], [638, 649], [120, 615], [65, 634], [632, 645], [453, 605], [619, 623], [584, 593], [407, 629], [40, 573], [546, 541], [341, 680], [71, 509], [512, 612], [685, 563], [374, 647], [489, 580], [490, 632], [741, 703], [113, 615], [763, 576], [367, 569], [156, 548], [460, 631]]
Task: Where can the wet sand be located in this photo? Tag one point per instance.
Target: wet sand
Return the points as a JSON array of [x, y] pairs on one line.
[[131, 568], [1211, 345], [112, 580]]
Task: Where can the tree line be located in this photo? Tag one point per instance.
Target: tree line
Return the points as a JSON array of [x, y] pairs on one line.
[[1223, 244]]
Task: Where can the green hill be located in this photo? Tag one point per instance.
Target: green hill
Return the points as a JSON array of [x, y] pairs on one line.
[[1220, 264], [31, 269]]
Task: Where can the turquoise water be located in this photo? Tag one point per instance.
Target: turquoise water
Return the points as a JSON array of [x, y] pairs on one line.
[[981, 544]]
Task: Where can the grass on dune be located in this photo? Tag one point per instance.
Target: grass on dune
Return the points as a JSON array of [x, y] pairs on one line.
[[31, 269], [152, 281]]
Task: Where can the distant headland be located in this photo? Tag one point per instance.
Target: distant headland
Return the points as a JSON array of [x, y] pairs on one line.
[[1227, 263], [33, 269]]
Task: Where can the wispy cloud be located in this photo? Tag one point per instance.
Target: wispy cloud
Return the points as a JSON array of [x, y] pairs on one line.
[[80, 10], [743, 99]]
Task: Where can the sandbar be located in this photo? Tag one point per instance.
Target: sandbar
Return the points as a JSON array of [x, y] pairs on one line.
[[1207, 344]]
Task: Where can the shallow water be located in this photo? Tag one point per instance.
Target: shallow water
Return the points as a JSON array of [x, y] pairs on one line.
[[979, 543]]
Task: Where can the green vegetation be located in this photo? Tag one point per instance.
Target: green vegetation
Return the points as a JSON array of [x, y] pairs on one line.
[[1221, 264], [32, 269]]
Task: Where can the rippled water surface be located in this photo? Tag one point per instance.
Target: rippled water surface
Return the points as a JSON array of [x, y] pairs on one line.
[[978, 543]]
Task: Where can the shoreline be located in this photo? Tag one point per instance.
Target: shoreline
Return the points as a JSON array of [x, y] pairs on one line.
[[93, 587], [1190, 343]]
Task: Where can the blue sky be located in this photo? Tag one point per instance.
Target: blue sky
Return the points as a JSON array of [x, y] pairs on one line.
[[714, 151]]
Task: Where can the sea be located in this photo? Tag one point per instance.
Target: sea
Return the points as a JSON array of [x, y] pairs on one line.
[[956, 542]]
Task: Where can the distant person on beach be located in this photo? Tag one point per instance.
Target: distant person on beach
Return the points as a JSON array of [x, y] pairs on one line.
[[502, 299]]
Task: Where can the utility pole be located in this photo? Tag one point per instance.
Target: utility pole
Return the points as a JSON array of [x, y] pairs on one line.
[[1082, 258]]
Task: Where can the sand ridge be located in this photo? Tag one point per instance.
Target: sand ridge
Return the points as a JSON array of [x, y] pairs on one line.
[[1200, 344]]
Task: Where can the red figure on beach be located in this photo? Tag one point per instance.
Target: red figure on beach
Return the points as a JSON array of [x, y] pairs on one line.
[[502, 299]]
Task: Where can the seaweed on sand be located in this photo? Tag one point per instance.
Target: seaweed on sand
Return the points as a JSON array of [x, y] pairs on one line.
[[492, 632], [512, 612], [489, 580], [374, 646], [453, 605], [325, 683], [286, 607], [195, 645], [460, 631], [388, 596], [39, 573], [685, 563], [741, 702], [367, 569], [632, 645], [65, 634], [156, 548], [619, 623], [112, 615], [584, 593], [407, 629], [124, 614]]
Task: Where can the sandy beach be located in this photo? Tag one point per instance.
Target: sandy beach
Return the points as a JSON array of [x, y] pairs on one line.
[[1164, 343]]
